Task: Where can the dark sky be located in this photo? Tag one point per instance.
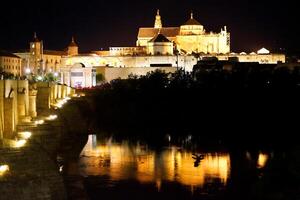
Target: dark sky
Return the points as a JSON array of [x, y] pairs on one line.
[[100, 24]]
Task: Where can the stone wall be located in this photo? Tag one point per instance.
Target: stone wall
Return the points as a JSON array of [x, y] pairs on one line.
[[123, 73], [14, 105], [21, 102]]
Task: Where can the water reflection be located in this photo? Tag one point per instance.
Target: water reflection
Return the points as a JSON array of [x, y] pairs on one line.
[[124, 161], [262, 160]]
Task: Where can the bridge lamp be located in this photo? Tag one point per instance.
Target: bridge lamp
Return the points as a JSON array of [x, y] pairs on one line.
[[19, 143], [25, 135], [3, 169]]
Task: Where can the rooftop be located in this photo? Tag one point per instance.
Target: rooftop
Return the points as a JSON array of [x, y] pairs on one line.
[[159, 38], [7, 54]]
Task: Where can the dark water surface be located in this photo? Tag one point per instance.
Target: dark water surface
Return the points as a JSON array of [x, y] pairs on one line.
[[134, 170]]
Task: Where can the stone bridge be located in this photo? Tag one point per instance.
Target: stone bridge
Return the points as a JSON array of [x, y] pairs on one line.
[[28, 166]]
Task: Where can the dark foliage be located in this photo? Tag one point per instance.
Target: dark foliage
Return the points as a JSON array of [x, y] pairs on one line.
[[248, 102]]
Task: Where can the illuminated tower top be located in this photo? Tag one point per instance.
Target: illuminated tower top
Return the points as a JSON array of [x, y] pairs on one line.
[[158, 23], [72, 48]]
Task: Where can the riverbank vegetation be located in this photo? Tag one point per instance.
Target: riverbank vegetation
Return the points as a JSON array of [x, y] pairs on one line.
[[247, 104]]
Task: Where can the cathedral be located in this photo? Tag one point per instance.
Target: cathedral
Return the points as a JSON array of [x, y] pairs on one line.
[[157, 47], [188, 38]]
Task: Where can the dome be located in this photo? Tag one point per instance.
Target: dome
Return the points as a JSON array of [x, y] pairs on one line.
[[192, 21], [192, 27]]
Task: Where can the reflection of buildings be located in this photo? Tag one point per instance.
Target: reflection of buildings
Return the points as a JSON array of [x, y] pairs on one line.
[[124, 161]]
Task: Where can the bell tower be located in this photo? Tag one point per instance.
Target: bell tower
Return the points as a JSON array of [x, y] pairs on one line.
[[36, 54], [158, 23]]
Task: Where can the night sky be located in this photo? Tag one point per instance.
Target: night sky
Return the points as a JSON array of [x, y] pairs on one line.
[[101, 24]]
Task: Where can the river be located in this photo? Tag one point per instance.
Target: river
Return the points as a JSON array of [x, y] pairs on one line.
[[132, 169]]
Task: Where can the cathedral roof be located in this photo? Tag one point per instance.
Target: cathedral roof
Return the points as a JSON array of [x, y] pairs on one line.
[[192, 21], [152, 32], [159, 38]]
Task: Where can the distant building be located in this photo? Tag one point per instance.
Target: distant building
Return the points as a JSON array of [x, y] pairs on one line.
[[263, 56], [157, 47], [41, 61], [189, 37], [10, 63]]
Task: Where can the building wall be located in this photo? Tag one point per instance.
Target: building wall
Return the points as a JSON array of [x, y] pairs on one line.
[[123, 73], [78, 77], [52, 62], [160, 48], [191, 30], [260, 58], [186, 62], [14, 103], [11, 65], [207, 43], [125, 51]]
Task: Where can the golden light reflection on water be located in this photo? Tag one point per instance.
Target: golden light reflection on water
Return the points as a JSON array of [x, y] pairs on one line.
[[262, 160], [124, 161]]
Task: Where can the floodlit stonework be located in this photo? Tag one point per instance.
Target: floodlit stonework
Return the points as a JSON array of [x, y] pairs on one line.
[[157, 47], [188, 38], [10, 63], [38, 60]]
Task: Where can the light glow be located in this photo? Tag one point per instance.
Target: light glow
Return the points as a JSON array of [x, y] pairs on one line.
[[19, 143], [39, 78], [52, 117], [25, 135], [27, 71], [3, 169], [262, 160], [39, 122], [60, 103], [263, 51]]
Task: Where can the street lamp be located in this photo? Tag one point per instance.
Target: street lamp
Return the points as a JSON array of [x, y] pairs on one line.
[[27, 71], [39, 78]]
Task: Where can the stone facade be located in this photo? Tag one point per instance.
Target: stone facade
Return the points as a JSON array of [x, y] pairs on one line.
[[190, 37], [114, 73], [38, 60], [10, 63]]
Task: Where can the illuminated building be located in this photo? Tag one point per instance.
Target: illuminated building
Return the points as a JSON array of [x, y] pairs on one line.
[[189, 37], [38, 60], [10, 63], [157, 47]]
